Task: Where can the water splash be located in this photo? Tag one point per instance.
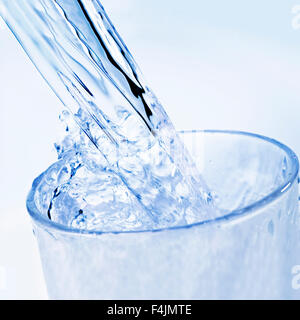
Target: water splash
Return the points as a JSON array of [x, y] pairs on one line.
[[79, 53]]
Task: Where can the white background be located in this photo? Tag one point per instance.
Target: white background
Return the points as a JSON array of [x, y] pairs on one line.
[[214, 64]]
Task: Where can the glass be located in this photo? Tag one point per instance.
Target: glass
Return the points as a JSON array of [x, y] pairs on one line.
[[248, 252]]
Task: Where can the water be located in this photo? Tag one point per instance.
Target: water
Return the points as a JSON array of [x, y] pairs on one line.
[[247, 254], [126, 168]]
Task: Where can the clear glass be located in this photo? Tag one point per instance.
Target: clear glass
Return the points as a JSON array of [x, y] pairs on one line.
[[247, 253]]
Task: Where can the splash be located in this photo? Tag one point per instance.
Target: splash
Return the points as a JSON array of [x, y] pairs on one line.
[[127, 150]]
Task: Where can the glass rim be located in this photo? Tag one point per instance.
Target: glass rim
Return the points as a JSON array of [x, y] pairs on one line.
[[232, 216]]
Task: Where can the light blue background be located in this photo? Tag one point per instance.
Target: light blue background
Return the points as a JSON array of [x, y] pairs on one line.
[[214, 64]]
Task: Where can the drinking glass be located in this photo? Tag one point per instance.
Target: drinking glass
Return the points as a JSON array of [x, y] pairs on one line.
[[248, 252]]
